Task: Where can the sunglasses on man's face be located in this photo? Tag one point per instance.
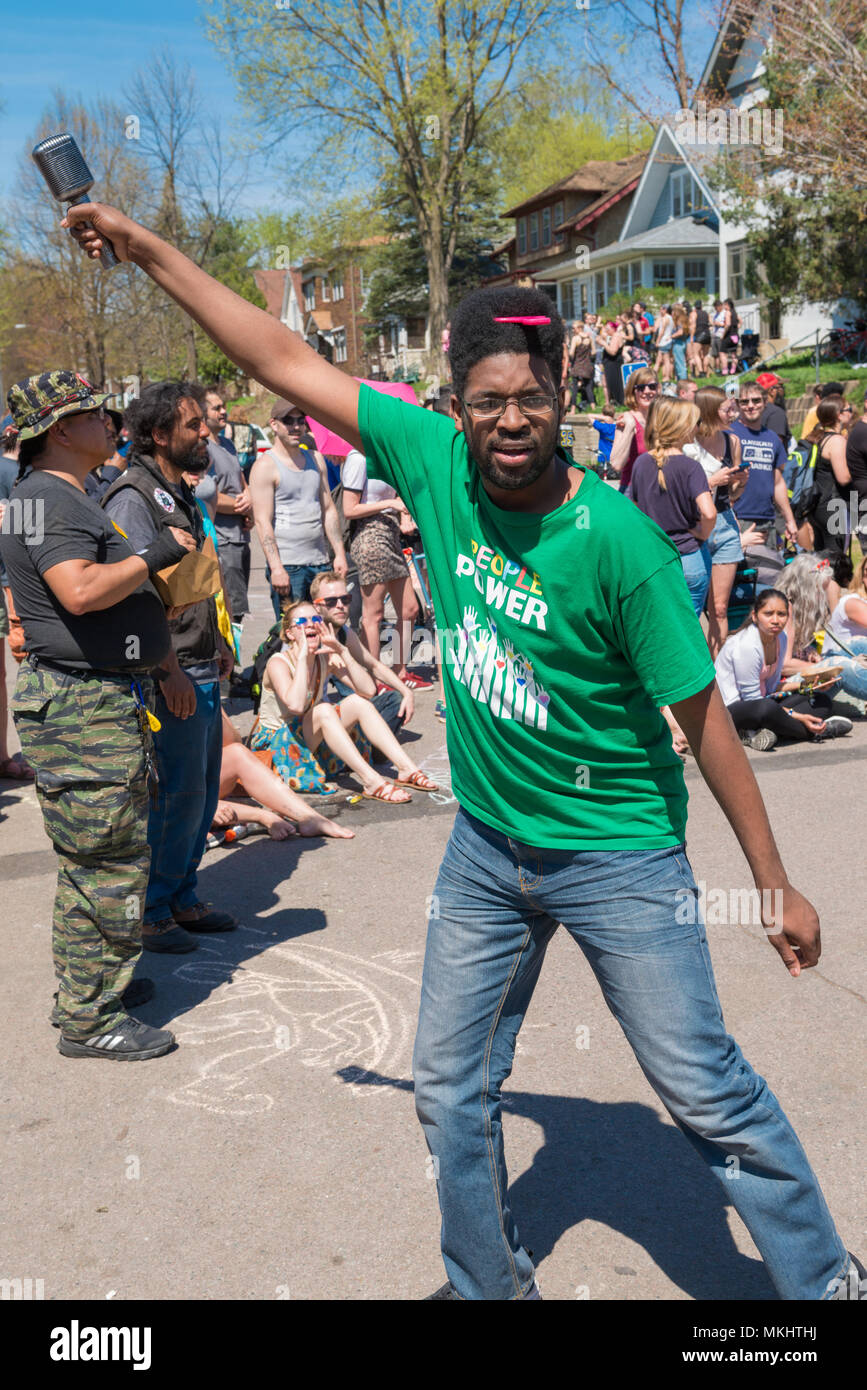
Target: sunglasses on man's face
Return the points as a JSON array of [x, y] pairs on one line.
[[751, 400], [293, 421], [333, 602]]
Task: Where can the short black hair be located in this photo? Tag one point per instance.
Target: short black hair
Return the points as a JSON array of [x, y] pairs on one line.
[[474, 335], [156, 409], [831, 388]]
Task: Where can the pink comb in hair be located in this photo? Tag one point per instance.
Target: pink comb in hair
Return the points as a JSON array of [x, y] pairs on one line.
[[528, 320]]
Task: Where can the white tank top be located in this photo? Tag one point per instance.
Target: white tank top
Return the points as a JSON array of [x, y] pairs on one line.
[[842, 623]]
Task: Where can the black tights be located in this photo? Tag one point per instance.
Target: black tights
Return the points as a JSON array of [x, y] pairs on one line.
[[750, 715]]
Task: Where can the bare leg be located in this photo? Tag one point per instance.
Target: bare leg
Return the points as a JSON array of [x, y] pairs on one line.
[[324, 721], [240, 764], [722, 578], [406, 606], [372, 607]]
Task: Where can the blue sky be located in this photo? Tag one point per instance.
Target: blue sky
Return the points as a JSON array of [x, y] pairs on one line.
[[56, 45], [86, 56]]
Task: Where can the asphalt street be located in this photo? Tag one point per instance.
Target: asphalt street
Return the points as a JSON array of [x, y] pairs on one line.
[[276, 1154]]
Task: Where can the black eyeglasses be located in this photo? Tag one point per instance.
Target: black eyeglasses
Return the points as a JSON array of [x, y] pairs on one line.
[[333, 602], [492, 407], [294, 419]]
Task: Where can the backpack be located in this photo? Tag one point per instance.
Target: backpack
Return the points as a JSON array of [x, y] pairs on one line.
[[800, 477], [272, 643]]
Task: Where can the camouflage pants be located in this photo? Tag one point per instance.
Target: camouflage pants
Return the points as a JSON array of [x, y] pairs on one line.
[[84, 740]]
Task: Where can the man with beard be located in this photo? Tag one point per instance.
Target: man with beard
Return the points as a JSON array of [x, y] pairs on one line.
[[169, 438], [566, 625], [95, 626]]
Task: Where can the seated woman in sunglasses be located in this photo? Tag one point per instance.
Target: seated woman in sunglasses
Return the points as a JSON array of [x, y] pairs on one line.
[[295, 718]]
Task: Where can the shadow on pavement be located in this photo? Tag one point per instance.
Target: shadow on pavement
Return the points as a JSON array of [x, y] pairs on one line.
[[241, 883], [619, 1165]]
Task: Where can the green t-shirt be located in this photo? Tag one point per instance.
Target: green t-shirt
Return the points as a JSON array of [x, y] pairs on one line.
[[561, 635]]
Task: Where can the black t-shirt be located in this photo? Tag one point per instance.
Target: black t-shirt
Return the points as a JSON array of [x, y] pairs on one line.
[[856, 458], [774, 418], [48, 522]]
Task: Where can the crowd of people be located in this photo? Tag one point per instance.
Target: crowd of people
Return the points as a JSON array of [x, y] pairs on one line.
[[136, 802], [574, 653], [683, 341], [713, 472]]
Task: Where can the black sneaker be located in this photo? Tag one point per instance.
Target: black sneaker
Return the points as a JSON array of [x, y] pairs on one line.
[[128, 1041], [835, 727], [137, 992]]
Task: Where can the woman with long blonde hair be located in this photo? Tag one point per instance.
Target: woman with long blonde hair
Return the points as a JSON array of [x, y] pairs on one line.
[[295, 718], [672, 489]]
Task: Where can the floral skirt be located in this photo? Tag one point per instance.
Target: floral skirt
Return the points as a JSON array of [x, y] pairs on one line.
[[300, 769]]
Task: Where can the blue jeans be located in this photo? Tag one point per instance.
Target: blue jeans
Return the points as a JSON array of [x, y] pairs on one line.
[[496, 905], [188, 756], [854, 678], [696, 572], [300, 579]]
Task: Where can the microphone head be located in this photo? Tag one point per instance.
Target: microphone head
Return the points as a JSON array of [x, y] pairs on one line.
[[61, 164]]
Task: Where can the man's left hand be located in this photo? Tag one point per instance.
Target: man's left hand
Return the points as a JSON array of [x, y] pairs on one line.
[[799, 944], [340, 565]]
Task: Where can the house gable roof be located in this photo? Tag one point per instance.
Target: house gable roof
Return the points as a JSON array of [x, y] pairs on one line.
[[599, 176], [664, 153]]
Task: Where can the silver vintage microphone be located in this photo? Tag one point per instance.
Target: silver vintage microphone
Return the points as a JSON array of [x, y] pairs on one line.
[[61, 164]]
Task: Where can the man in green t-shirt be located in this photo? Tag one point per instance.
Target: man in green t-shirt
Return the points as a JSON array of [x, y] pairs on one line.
[[565, 624]]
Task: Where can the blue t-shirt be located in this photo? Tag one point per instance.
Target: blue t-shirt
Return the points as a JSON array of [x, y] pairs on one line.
[[763, 451], [606, 430]]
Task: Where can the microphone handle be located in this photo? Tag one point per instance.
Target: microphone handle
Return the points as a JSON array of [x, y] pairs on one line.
[[106, 255]]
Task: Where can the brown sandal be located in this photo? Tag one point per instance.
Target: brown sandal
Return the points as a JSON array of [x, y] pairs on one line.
[[384, 793], [419, 780]]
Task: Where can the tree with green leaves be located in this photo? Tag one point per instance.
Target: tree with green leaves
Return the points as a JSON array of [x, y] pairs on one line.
[[402, 82]]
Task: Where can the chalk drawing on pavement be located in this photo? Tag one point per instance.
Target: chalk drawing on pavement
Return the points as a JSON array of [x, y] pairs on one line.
[[312, 1006]]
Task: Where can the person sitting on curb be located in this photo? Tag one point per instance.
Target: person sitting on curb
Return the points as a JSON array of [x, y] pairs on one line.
[[748, 672], [295, 718], [396, 704], [279, 809]]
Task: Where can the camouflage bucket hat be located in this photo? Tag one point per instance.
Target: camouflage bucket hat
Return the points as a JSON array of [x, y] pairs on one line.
[[38, 402]]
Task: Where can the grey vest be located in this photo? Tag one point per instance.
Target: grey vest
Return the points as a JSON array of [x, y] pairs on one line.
[[298, 527]]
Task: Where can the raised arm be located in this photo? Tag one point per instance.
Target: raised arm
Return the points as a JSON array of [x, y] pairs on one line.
[[261, 346]]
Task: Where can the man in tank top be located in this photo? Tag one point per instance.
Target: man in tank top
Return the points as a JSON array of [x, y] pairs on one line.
[[295, 516]]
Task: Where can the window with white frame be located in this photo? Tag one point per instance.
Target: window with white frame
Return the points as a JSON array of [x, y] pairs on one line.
[[534, 231], [695, 275], [309, 295], [634, 276], [546, 226], [664, 273], [610, 282], [737, 268], [522, 236], [683, 193], [340, 344], [623, 279], [337, 284], [558, 217], [567, 300], [326, 288], [600, 291]]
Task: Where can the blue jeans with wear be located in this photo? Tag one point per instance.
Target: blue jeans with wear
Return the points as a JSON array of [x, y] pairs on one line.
[[635, 915], [188, 756]]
